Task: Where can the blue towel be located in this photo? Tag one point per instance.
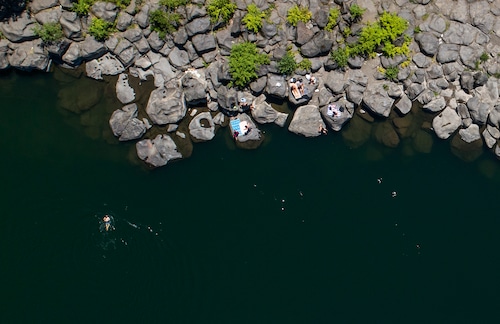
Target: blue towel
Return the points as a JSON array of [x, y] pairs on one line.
[[235, 125]]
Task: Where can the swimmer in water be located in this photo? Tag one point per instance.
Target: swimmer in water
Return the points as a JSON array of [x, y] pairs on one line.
[[107, 222]]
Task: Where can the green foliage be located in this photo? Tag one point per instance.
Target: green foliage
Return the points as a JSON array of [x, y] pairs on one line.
[[253, 18], [417, 30], [296, 14], [81, 7], [244, 61], [100, 29], [391, 73], [381, 35], [305, 64], [163, 22], [340, 56], [332, 19], [173, 4], [287, 64], [484, 57], [220, 10], [347, 31], [356, 12], [120, 3], [49, 32]]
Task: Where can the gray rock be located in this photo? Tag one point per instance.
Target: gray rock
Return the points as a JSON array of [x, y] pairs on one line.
[[124, 92], [428, 43], [355, 92], [91, 49], [306, 121], [107, 64], [73, 56], [304, 34], [460, 11], [166, 106], [446, 123], [259, 85], [269, 30], [202, 127], [71, 25], [195, 12], [58, 48], [320, 44], [204, 43], [133, 34], [470, 134], [125, 125], [469, 55], [414, 90], [20, 29], [335, 81], [377, 100], [198, 26], [436, 104], [155, 42], [404, 105], [494, 116], [126, 52], [142, 17], [447, 53], [194, 87], [49, 15], [421, 60], [105, 10], [494, 131], [478, 110], [434, 72], [489, 140], [264, 113], [276, 86], [460, 34], [159, 151], [124, 21], [142, 45], [39, 5], [253, 138], [346, 110], [179, 58], [29, 55]]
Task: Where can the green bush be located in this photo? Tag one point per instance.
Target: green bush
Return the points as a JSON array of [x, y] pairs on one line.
[[50, 32], [391, 73], [81, 7], [356, 12], [120, 3], [296, 14], [100, 29], [340, 57], [381, 35], [173, 4], [287, 64], [305, 64], [163, 22], [332, 19], [244, 61], [484, 57], [253, 18], [220, 10]]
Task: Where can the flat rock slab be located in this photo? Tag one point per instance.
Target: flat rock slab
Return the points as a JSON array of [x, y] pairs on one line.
[[306, 121]]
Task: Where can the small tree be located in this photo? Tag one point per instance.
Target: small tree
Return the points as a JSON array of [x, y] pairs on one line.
[[287, 64], [296, 14], [50, 32], [100, 29], [220, 10], [244, 61], [253, 18]]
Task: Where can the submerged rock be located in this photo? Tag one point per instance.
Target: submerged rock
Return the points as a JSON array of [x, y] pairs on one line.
[[125, 125]]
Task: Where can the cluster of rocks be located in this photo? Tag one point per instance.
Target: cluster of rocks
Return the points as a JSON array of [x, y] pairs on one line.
[[452, 73]]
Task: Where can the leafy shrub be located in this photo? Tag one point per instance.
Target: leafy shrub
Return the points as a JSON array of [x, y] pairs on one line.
[[381, 35], [244, 62], [173, 4], [121, 3], [81, 7], [305, 64], [163, 22], [220, 10], [253, 18], [356, 12], [287, 64], [296, 14], [340, 56], [391, 73], [332, 18], [100, 29], [49, 32], [484, 57]]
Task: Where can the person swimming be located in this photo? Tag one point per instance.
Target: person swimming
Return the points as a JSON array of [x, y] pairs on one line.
[[107, 223]]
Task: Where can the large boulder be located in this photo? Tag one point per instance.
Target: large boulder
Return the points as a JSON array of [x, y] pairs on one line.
[[428, 43], [319, 45], [124, 92], [71, 25], [166, 106], [478, 109], [204, 43], [264, 113], [49, 16], [19, 29], [105, 10], [107, 64], [29, 55], [253, 138], [346, 111], [276, 86], [202, 127], [306, 121], [194, 86], [125, 125], [446, 123], [159, 151], [39, 5], [377, 100]]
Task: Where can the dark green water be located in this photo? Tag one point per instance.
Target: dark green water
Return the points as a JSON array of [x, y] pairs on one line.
[[298, 231]]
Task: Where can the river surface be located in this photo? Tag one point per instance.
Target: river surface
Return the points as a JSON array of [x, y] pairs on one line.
[[297, 231]]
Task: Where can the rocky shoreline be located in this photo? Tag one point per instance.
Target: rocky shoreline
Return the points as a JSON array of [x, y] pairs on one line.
[[452, 73]]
